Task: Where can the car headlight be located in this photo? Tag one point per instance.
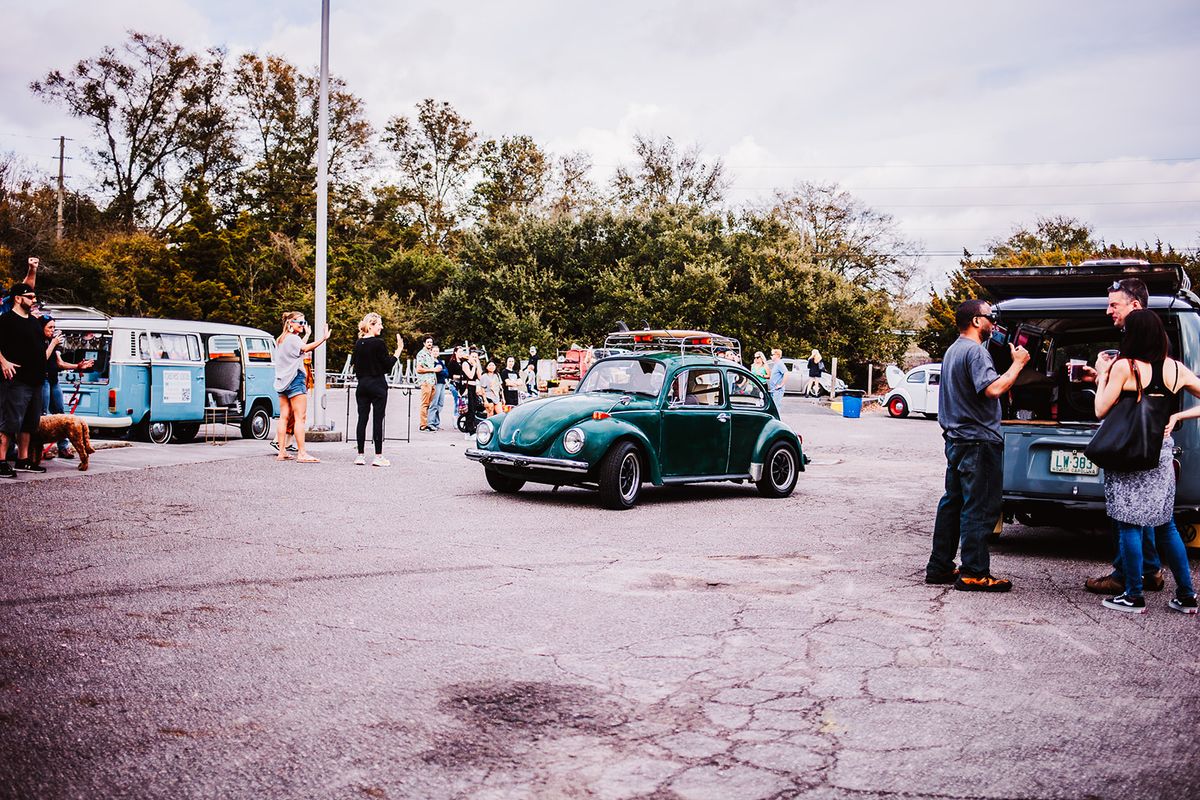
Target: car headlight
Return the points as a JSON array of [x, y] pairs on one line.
[[483, 433], [573, 441]]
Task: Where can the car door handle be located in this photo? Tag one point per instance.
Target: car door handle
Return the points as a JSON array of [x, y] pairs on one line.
[[722, 417]]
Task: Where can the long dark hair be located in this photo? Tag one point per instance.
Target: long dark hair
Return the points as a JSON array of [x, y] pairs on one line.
[[1145, 337]]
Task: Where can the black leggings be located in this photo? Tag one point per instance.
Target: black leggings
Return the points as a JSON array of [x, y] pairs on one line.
[[372, 395]]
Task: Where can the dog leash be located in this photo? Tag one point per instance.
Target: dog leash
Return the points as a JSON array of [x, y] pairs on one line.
[[75, 398]]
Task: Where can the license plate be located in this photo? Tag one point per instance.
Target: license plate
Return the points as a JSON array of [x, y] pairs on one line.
[[1071, 462]]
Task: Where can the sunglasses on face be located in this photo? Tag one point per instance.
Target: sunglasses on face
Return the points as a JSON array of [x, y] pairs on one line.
[[989, 317]]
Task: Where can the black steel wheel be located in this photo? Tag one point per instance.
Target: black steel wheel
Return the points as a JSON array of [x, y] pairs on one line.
[[621, 476], [781, 469], [159, 432], [502, 483], [257, 425]]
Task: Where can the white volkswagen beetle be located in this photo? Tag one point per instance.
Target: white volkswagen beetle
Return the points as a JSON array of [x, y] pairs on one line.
[[913, 392]]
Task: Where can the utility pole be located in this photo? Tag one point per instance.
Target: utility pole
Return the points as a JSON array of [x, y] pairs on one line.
[[318, 417], [62, 149]]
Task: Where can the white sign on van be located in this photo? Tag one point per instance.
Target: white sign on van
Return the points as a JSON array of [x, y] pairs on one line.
[[177, 386]]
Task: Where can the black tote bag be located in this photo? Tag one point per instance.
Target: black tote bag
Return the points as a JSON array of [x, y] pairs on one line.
[[1131, 436]]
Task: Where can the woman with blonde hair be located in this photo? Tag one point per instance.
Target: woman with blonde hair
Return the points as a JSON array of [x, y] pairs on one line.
[[291, 381], [815, 367], [759, 368], [372, 363]]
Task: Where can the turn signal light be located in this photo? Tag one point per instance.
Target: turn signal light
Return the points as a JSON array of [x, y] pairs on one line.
[[600, 415]]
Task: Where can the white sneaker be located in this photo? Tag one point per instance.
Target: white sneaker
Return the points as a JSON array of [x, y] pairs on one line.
[[380, 461], [361, 460]]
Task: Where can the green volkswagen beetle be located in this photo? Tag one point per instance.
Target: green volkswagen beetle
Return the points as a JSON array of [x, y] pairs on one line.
[[661, 413]]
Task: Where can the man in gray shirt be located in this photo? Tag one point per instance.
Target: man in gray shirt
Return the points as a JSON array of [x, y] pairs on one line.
[[969, 412]]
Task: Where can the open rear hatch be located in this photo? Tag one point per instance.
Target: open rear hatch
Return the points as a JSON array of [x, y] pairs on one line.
[[1084, 280]]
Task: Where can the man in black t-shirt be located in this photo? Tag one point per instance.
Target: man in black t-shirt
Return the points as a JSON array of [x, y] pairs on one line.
[[22, 372]]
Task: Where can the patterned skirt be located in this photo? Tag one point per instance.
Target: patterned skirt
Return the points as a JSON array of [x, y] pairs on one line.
[[1146, 497]]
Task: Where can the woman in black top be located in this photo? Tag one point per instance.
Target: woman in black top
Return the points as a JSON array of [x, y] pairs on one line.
[[52, 396], [511, 379], [816, 366], [372, 363]]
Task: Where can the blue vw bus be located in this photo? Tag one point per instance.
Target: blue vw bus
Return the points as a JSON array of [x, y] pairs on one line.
[[159, 379]]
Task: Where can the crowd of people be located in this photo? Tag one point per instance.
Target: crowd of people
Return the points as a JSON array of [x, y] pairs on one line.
[[1140, 502], [30, 361]]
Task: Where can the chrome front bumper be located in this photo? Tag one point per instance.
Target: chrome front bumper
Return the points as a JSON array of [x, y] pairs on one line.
[[526, 462]]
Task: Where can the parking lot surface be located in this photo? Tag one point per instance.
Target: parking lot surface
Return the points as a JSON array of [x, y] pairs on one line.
[[199, 622]]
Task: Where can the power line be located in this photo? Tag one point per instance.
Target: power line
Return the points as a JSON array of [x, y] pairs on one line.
[[968, 187], [1109, 162]]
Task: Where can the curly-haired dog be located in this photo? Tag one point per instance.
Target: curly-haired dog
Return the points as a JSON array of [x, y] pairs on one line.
[[54, 427]]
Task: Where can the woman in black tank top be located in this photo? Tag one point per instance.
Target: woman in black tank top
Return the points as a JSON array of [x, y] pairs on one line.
[[1142, 503]]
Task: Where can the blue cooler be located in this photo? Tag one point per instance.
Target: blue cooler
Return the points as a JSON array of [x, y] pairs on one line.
[[852, 403]]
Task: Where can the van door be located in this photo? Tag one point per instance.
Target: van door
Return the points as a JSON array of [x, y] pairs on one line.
[[260, 374], [176, 377]]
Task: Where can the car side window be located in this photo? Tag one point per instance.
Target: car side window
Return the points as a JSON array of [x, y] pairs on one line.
[[917, 377], [935, 378], [703, 388], [744, 391]]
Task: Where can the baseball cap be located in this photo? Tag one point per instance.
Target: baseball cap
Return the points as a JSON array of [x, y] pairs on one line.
[[19, 289]]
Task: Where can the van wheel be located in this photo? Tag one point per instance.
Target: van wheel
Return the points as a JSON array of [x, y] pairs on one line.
[[621, 477], [502, 483], [159, 432], [897, 407], [780, 471], [257, 425], [185, 432]]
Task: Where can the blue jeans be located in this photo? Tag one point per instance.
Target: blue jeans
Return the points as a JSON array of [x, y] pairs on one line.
[[435, 405], [969, 509], [52, 403], [1150, 561], [1131, 539], [777, 396]]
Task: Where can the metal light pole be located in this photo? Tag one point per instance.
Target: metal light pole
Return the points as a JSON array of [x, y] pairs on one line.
[[318, 415]]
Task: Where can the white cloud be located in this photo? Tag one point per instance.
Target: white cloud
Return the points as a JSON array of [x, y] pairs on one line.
[[783, 91]]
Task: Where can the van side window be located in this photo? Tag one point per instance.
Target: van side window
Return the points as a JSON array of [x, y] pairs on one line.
[[174, 346], [258, 349]]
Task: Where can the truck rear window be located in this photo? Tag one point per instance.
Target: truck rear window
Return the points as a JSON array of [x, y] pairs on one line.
[[1043, 391]]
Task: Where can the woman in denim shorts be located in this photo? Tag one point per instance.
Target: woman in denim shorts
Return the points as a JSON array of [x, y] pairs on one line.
[[291, 381]]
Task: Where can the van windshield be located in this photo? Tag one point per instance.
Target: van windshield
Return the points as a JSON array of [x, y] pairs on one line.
[[1044, 391], [94, 345]]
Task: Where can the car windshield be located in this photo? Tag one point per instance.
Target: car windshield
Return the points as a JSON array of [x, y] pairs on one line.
[[625, 375]]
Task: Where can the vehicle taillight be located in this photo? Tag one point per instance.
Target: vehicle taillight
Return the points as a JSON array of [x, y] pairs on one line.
[[112, 400]]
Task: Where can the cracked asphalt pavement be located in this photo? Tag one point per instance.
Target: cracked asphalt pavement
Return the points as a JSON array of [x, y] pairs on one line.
[[197, 622]]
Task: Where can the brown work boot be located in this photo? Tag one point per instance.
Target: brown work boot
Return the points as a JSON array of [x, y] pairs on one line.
[[1105, 584]]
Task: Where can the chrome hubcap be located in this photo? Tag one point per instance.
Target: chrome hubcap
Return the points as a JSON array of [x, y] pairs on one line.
[[630, 476], [781, 469]]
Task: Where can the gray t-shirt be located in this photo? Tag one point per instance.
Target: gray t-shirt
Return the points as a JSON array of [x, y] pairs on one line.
[[288, 361], [964, 411]]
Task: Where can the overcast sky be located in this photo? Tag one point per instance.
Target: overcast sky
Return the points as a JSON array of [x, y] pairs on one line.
[[962, 119]]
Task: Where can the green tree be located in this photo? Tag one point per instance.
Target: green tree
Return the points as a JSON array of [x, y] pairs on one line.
[[664, 176], [837, 231], [155, 110], [435, 153], [516, 173]]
